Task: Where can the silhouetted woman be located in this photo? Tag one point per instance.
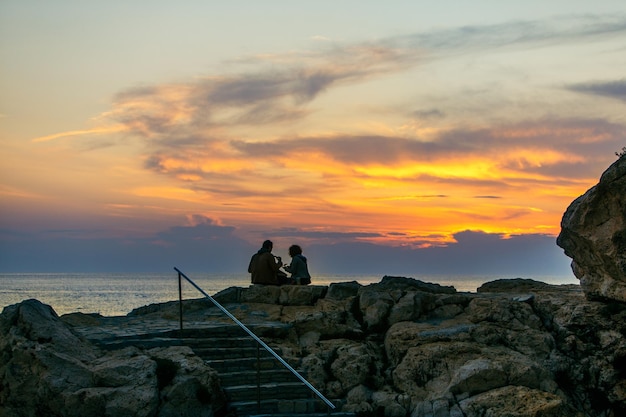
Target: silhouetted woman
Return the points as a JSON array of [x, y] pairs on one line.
[[298, 268]]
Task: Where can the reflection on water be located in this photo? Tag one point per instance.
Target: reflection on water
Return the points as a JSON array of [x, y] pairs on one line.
[[118, 294]]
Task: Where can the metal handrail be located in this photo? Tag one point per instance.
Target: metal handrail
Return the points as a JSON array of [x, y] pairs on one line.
[[250, 333]]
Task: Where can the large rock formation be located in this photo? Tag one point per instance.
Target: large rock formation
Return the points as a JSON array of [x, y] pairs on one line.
[[46, 369], [593, 234], [399, 348]]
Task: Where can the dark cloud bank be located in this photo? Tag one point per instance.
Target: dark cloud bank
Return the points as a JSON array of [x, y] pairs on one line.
[[209, 248], [613, 89]]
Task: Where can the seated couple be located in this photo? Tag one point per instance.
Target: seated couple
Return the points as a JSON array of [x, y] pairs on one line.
[[265, 267]]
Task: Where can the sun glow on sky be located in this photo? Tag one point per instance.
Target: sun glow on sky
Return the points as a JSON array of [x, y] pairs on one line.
[[333, 123]]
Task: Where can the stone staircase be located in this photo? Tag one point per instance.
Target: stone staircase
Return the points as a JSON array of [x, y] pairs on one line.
[[234, 355]]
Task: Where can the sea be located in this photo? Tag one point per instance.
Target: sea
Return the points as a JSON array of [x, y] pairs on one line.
[[117, 294]]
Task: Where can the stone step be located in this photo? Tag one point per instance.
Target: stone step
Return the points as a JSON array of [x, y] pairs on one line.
[[267, 391], [214, 332], [283, 408], [207, 352], [233, 354], [246, 377], [335, 414], [219, 348], [221, 342], [250, 364], [115, 343]]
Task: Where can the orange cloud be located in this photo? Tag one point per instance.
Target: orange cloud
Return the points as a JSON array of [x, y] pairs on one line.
[[238, 149]]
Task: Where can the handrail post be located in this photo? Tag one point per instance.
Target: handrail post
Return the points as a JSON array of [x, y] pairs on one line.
[[258, 378], [180, 300]]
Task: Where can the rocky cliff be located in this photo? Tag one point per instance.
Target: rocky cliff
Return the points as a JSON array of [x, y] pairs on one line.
[[407, 348], [46, 369], [593, 234]]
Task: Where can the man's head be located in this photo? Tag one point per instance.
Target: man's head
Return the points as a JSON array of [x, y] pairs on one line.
[[268, 245]]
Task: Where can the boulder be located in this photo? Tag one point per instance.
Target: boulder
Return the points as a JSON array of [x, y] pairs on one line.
[[267, 294], [402, 336], [358, 400], [123, 383], [518, 401], [47, 369], [515, 285], [189, 386], [343, 290], [42, 360], [593, 234], [375, 304], [327, 319], [415, 285], [301, 295], [393, 404]]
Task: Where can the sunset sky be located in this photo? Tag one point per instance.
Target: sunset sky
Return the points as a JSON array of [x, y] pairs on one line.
[[399, 137]]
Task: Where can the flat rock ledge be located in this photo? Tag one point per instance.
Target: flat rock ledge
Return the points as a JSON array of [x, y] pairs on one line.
[[400, 347]]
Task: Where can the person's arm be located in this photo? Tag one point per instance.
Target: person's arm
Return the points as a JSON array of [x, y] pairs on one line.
[[296, 267], [275, 264]]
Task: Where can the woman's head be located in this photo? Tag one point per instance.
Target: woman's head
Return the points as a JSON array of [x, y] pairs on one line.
[[295, 250]]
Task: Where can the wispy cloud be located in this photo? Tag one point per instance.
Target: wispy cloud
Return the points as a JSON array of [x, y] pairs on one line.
[[320, 38], [281, 93], [240, 143], [563, 29], [95, 131], [613, 89]]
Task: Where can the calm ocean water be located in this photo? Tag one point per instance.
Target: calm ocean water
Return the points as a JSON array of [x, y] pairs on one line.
[[115, 294]]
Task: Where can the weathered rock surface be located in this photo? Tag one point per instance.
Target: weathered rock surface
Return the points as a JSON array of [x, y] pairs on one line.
[[397, 348], [593, 234], [47, 370], [406, 348]]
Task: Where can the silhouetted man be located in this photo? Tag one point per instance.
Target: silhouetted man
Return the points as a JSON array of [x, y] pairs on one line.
[[264, 266]]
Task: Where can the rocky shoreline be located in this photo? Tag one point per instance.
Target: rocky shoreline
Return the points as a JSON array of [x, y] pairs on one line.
[[400, 347]]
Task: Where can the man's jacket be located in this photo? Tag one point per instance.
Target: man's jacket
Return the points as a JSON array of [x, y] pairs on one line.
[[264, 268]]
